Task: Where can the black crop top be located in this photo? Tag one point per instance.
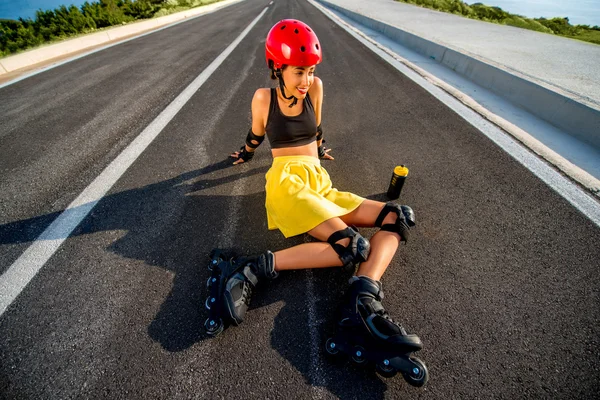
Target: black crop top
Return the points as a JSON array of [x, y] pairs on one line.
[[284, 131]]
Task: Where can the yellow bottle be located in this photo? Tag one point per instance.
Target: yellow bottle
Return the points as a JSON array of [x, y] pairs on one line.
[[398, 177]]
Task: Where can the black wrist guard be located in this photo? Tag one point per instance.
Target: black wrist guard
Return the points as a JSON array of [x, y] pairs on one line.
[[322, 151], [245, 155]]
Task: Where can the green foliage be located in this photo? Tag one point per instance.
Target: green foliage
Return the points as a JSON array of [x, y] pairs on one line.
[[140, 9], [592, 36], [526, 23], [64, 21], [558, 26], [16, 35], [487, 13]]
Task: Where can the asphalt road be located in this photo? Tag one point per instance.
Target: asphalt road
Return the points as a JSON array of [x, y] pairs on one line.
[[500, 278]]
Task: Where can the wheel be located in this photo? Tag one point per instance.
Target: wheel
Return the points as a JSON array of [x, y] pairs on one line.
[[331, 347], [209, 282], [358, 355], [208, 302], [385, 370], [213, 263], [419, 375], [212, 327], [216, 256]]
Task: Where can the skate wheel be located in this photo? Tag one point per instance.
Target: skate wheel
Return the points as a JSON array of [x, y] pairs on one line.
[[216, 256], [213, 264], [419, 374], [358, 355], [331, 347], [208, 303], [209, 282], [385, 369], [213, 327]]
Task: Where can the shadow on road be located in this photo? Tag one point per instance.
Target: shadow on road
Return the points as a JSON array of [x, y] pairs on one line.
[[174, 224]]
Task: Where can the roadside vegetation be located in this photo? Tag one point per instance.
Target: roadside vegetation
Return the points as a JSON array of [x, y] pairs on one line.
[[556, 26], [64, 22]]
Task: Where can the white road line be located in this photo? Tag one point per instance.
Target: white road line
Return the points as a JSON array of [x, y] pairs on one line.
[[316, 368], [583, 202], [20, 273]]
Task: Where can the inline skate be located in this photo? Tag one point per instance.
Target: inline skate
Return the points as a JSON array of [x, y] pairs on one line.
[[230, 287], [365, 332]]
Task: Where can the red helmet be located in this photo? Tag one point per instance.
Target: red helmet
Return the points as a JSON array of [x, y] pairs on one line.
[[292, 42]]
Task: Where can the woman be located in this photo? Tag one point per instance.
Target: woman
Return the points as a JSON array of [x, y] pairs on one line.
[[300, 198]]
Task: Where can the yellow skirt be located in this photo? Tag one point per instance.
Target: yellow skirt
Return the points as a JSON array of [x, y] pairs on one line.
[[300, 195]]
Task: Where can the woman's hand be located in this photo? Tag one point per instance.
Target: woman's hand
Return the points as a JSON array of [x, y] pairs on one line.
[[242, 155], [324, 152], [236, 155]]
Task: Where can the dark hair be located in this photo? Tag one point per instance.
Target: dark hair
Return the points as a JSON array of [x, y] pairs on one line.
[[274, 71]]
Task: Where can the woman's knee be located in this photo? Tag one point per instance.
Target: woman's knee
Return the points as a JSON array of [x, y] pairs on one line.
[[397, 219], [351, 247], [325, 229]]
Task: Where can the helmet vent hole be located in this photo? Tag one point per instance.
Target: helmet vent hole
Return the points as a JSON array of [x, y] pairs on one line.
[[283, 27], [308, 29], [303, 49], [296, 31], [317, 46]]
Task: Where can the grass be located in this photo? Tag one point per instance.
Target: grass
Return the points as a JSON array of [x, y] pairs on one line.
[[556, 26], [23, 44]]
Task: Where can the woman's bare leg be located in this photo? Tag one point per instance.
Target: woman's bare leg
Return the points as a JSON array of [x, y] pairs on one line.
[[383, 244], [321, 255], [313, 255]]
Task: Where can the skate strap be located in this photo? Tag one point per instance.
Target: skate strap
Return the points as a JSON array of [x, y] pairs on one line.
[[377, 307], [249, 274], [388, 208], [404, 219], [339, 235]]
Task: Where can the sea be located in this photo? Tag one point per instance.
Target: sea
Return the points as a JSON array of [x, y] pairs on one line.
[[15, 9], [583, 12]]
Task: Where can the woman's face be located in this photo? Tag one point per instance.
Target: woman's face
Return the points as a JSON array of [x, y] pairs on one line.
[[298, 80]]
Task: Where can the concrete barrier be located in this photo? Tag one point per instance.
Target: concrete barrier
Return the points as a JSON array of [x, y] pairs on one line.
[[577, 119], [69, 46]]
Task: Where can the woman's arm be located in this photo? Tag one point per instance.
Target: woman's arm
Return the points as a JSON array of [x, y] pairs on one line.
[[260, 107], [316, 95]]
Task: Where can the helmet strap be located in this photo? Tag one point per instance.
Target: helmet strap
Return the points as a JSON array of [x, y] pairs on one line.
[[282, 88]]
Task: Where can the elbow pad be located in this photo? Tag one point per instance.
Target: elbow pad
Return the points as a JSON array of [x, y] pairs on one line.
[[252, 137]]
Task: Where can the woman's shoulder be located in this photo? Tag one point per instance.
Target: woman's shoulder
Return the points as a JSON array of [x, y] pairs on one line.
[[316, 89], [262, 97], [318, 82], [263, 94]]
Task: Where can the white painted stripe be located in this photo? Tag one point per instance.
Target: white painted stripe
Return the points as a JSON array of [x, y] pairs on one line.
[[583, 202], [316, 376], [58, 64], [20, 273]]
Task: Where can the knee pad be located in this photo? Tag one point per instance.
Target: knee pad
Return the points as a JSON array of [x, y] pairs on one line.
[[353, 254], [405, 218]]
